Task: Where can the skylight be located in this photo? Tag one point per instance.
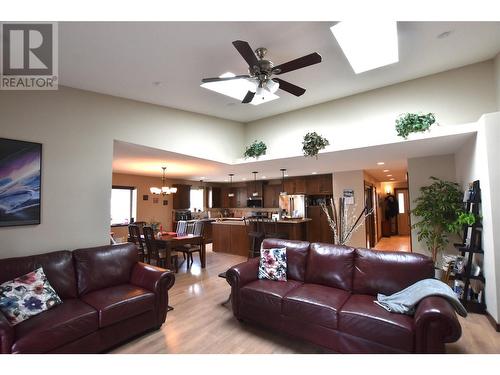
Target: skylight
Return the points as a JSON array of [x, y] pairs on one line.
[[368, 45], [237, 89]]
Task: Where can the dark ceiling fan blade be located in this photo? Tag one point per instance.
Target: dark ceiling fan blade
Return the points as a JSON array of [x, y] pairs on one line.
[[290, 87], [246, 52], [248, 97], [218, 79], [299, 63]]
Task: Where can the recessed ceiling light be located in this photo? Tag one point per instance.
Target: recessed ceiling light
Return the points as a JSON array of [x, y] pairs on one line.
[[368, 45], [445, 34], [202, 177], [285, 175], [237, 89], [385, 170], [392, 179], [314, 172], [263, 177], [226, 180], [389, 175], [244, 179], [380, 163]]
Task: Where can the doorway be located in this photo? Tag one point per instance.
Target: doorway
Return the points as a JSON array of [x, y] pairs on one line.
[[403, 216], [370, 226]]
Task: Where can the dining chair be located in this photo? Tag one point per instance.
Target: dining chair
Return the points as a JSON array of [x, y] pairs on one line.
[[180, 228], [156, 254], [196, 229], [135, 237]]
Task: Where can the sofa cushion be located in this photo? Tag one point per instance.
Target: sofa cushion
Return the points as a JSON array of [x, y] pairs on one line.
[[330, 265], [104, 266], [388, 272], [362, 318], [296, 252], [57, 265], [316, 304], [266, 294], [56, 327], [27, 296], [118, 303], [272, 264]]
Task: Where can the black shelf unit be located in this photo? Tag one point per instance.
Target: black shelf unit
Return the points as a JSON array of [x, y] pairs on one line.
[[470, 246]]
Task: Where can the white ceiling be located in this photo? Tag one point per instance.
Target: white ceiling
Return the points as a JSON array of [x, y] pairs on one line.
[[135, 159], [125, 58]]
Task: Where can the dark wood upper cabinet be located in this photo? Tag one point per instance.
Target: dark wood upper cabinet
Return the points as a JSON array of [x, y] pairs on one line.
[[271, 195], [253, 187], [319, 184], [241, 196], [300, 185], [182, 198]]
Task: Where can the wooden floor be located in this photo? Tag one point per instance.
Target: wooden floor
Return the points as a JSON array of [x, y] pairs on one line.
[[397, 243], [200, 324]]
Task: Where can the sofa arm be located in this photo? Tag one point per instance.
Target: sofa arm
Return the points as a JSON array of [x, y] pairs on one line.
[[157, 280], [435, 324], [6, 335], [238, 276]]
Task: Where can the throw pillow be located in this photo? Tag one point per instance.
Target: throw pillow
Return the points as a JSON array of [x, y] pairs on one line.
[[272, 264], [27, 296]]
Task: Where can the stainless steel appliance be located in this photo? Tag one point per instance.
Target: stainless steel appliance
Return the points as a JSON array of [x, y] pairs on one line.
[[293, 206], [254, 202]]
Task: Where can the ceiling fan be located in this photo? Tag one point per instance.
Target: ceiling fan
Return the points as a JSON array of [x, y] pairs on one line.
[[261, 72]]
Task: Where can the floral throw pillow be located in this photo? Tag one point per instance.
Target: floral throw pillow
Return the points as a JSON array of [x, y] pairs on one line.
[[27, 296], [272, 264]]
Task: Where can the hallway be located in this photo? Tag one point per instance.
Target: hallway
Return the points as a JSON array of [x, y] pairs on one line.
[[396, 243]]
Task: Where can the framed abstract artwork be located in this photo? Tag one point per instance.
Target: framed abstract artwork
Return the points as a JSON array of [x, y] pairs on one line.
[[20, 182]]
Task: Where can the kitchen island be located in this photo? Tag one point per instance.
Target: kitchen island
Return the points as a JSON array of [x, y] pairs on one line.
[[230, 234]]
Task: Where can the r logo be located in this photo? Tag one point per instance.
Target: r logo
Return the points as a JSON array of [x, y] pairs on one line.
[[27, 49]]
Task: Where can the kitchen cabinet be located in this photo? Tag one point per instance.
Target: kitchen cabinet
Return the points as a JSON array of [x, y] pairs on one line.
[[319, 184], [227, 201], [300, 185], [254, 187], [271, 195], [318, 229], [241, 196], [181, 199]]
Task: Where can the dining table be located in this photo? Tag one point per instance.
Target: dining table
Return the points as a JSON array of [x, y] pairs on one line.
[[171, 242]]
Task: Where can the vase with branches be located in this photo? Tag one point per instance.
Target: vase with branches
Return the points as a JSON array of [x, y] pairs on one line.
[[343, 221]]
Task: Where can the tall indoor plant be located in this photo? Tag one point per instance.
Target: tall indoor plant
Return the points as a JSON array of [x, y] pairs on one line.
[[440, 210]]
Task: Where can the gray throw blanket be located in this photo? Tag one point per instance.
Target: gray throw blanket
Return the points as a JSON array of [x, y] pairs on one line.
[[406, 300]]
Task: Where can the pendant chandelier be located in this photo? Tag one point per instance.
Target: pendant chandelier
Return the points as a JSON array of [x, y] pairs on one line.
[[231, 194], [164, 190]]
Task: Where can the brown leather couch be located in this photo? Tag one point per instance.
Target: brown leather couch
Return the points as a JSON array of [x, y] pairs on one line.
[[108, 297], [328, 299]]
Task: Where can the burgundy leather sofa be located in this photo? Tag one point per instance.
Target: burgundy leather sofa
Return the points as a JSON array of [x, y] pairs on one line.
[[328, 299], [108, 297]]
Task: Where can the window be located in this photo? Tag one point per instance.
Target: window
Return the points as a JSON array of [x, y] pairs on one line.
[[401, 203], [123, 205], [196, 197]]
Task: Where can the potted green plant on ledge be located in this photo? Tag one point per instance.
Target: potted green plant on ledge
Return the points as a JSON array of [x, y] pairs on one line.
[[256, 149], [313, 143], [440, 210], [414, 123]]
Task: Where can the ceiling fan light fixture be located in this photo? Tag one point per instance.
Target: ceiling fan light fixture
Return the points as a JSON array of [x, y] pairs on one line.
[[272, 86]]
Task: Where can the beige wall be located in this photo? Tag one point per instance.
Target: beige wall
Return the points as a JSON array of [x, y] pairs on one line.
[[352, 180], [478, 159], [419, 171], [457, 96], [497, 79], [77, 129]]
